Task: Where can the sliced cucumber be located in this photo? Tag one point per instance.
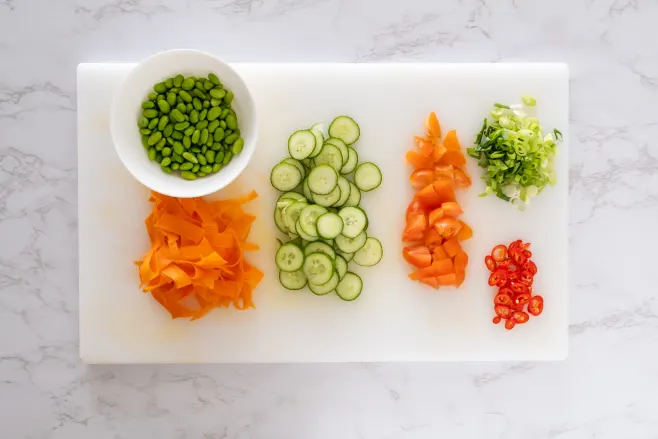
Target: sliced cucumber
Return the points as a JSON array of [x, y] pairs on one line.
[[304, 235], [328, 242], [285, 177], [355, 196], [279, 243], [327, 287], [370, 254], [354, 220], [347, 256], [329, 225], [308, 163], [341, 146], [320, 247], [350, 245], [291, 214], [301, 144], [345, 129], [322, 179], [341, 266], [318, 268], [319, 138], [297, 164], [289, 257], [345, 191], [309, 218], [330, 155], [367, 176], [306, 191], [352, 161], [350, 287], [279, 220], [328, 200], [292, 280], [294, 196]]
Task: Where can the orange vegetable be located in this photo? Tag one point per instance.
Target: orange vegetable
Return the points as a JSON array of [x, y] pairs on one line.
[[196, 260], [431, 217]]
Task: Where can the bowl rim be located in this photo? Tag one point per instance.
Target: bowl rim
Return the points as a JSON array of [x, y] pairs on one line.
[[248, 151]]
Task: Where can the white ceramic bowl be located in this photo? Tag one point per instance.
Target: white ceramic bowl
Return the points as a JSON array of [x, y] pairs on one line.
[[126, 110]]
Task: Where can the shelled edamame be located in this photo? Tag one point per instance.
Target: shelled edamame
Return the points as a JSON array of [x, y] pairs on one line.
[[189, 127]]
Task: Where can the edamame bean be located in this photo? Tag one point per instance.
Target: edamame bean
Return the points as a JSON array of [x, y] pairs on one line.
[[143, 122], [225, 112], [187, 84], [160, 87], [201, 125], [152, 152], [166, 161], [178, 148], [168, 130], [201, 159], [227, 158], [187, 142], [145, 141], [176, 134], [164, 120], [216, 146], [148, 104], [217, 93], [214, 113], [190, 157], [199, 94], [215, 102], [188, 175], [237, 146], [169, 82], [161, 144], [179, 100], [201, 174], [229, 97], [164, 106], [206, 104], [208, 85], [170, 141], [212, 126], [207, 169], [219, 134], [231, 122], [171, 99], [158, 157], [231, 138], [145, 131], [199, 83], [153, 123], [195, 168], [204, 149], [150, 113], [203, 139], [155, 138], [197, 104], [228, 132], [153, 96], [182, 109], [188, 132], [210, 141], [213, 78], [185, 96], [195, 136], [195, 149], [194, 116], [165, 169], [219, 158], [161, 97], [186, 166], [166, 151], [189, 107], [174, 166], [210, 156], [178, 80], [222, 124], [181, 126], [203, 114], [216, 167]]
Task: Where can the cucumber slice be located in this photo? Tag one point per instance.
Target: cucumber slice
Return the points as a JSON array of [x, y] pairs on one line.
[[345, 129], [297, 164], [289, 257], [350, 287], [279, 220], [285, 177], [279, 243], [306, 191], [341, 266], [318, 268], [326, 288], [322, 179], [329, 242], [304, 235], [294, 196], [320, 247], [354, 220], [301, 144], [367, 176], [350, 245], [329, 199], [292, 280], [291, 214], [352, 161], [341, 146], [370, 254], [309, 217], [329, 225], [345, 191], [347, 256], [319, 139], [330, 155], [355, 196], [308, 164]]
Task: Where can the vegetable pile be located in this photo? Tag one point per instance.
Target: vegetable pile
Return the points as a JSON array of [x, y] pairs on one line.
[[513, 272], [196, 261], [325, 225], [432, 225], [188, 125], [514, 152]]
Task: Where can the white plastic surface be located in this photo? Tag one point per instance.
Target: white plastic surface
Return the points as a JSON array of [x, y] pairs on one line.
[[394, 319]]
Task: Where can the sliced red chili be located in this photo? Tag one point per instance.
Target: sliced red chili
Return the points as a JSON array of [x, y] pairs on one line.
[[519, 288], [496, 320], [526, 277], [490, 263], [515, 244], [520, 317], [531, 267], [522, 299], [498, 278], [518, 256], [513, 276], [536, 305], [509, 264], [503, 299], [499, 253], [510, 324], [502, 311]]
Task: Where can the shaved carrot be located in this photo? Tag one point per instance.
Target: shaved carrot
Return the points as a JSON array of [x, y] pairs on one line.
[[196, 262]]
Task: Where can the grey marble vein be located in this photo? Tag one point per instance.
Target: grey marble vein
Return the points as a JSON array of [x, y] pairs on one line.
[[607, 387]]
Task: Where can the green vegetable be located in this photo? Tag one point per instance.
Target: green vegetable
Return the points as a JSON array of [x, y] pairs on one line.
[[516, 155], [188, 175]]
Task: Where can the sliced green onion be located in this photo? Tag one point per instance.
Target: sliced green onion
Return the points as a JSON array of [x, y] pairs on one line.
[[529, 100]]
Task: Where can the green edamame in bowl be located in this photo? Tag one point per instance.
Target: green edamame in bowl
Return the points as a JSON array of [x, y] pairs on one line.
[[188, 126], [184, 123]]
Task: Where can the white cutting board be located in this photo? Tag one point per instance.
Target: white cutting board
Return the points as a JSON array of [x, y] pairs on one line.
[[394, 319]]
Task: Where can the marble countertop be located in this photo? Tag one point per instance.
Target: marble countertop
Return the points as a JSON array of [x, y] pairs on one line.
[[607, 387]]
